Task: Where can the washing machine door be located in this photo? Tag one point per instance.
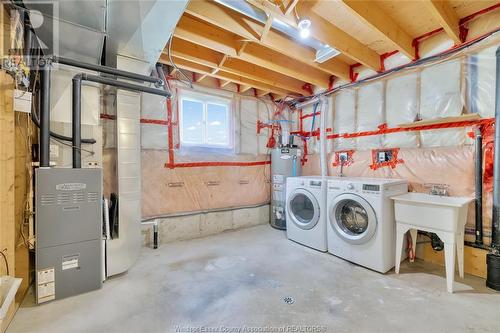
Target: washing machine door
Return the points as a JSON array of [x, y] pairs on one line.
[[352, 218], [303, 209]]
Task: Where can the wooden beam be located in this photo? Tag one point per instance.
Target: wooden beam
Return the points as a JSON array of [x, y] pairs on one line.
[[222, 75], [243, 26], [7, 177], [224, 83], [256, 53], [244, 88], [189, 29], [325, 31], [262, 93], [378, 20], [274, 10], [241, 48], [275, 61], [291, 7], [446, 16], [192, 52], [254, 72], [204, 56], [268, 25], [200, 78]]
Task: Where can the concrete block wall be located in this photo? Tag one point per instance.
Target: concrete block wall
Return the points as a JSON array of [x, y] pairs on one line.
[[178, 228]]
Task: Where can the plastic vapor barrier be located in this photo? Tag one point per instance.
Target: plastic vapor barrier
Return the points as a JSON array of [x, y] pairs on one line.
[[378, 113]]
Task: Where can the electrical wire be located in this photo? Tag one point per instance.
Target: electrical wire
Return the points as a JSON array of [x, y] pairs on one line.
[[173, 63], [424, 61], [92, 153], [6, 261]]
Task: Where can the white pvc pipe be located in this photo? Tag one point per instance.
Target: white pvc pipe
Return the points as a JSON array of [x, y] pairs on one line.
[[323, 107]]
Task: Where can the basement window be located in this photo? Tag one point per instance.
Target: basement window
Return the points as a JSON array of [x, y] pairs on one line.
[[205, 121]]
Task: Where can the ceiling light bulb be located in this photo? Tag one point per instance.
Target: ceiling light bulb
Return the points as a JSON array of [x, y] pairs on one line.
[[304, 33], [304, 25]]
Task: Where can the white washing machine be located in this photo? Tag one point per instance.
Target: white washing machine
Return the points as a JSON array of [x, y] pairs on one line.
[[306, 211], [361, 226]]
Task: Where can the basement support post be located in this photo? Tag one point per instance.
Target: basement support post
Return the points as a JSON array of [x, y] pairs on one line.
[[493, 258]]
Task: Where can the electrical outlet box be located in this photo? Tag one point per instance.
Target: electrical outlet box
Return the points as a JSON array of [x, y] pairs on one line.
[[22, 101], [384, 156]]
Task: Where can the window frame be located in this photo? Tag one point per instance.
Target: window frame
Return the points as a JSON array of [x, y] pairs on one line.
[[205, 100]]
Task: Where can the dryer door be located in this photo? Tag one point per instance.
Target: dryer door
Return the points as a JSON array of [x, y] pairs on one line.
[[353, 218], [303, 208]]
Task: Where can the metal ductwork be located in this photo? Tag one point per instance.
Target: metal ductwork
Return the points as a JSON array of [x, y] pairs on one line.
[[140, 29], [259, 15], [70, 28], [81, 30]]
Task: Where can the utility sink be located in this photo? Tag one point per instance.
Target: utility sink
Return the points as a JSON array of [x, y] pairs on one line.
[[432, 211], [445, 216]]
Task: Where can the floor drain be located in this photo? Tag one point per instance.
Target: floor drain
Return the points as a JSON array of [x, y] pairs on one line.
[[289, 300]]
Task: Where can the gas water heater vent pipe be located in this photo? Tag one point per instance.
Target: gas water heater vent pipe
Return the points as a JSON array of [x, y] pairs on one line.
[[493, 258]]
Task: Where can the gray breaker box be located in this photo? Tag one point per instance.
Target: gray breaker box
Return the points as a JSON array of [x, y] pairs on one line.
[[68, 227]]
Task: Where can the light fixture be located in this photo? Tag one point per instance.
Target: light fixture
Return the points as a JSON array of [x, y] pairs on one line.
[[304, 25], [326, 52]]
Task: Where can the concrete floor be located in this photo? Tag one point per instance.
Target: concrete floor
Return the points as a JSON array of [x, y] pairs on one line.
[[240, 278]]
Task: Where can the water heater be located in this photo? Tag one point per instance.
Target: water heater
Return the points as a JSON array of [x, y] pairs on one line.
[[285, 162]]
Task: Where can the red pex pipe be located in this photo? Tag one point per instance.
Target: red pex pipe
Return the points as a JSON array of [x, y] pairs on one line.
[[170, 134]]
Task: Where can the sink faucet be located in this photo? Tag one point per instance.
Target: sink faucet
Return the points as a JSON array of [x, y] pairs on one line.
[[343, 159], [438, 189]]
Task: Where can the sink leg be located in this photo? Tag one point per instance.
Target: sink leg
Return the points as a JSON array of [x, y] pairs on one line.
[[449, 256], [400, 234], [460, 252], [413, 233]]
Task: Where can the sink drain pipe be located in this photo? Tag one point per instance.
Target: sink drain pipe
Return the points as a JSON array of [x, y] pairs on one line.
[[479, 187], [493, 258]]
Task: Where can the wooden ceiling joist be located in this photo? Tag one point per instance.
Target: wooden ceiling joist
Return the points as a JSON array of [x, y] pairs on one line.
[[378, 20], [224, 83], [261, 93], [446, 16], [207, 57], [290, 7], [268, 25], [244, 88], [221, 75], [251, 52], [326, 32], [200, 78], [251, 30]]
